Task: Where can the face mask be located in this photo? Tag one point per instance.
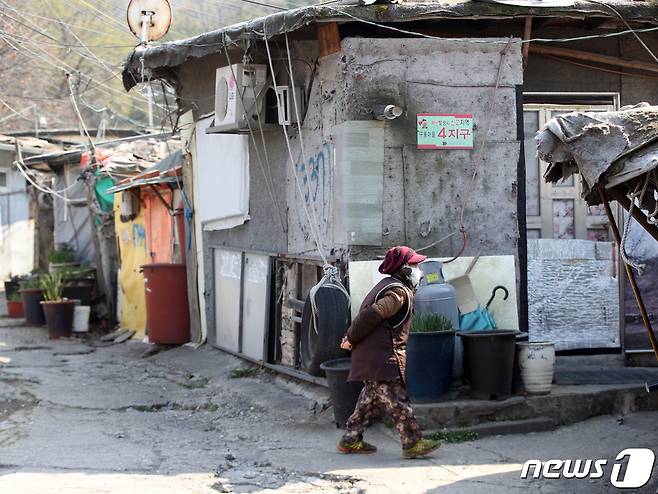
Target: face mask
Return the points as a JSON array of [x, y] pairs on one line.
[[416, 275]]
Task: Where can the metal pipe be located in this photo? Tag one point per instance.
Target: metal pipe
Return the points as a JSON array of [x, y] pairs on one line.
[[387, 112], [296, 304], [630, 274]]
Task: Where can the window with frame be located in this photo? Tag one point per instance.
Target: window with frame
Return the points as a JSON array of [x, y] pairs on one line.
[[558, 210]]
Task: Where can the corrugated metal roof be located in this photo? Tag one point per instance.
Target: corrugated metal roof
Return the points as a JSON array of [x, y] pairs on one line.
[[169, 170], [158, 58]]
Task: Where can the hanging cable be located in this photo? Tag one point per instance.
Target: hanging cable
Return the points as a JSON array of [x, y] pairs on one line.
[[639, 195], [312, 226], [253, 140], [477, 160]]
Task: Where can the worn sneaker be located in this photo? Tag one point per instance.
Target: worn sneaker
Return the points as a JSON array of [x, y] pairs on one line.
[[423, 447], [356, 448]]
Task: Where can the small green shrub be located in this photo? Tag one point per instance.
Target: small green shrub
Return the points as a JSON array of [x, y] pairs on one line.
[[245, 372], [69, 272], [31, 283], [15, 297], [429, 323], [455, 436], [52, 285], [62, 255]]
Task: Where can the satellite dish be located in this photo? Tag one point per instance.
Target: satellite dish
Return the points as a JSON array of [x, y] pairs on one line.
[[149, 20]]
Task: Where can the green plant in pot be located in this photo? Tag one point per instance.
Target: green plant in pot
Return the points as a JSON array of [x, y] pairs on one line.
[[61, 258], [430, 353], [32, 296], [58, 311], [15, 305], [79, 283]]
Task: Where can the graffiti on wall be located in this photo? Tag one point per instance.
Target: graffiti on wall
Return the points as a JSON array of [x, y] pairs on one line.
[[314, 174]]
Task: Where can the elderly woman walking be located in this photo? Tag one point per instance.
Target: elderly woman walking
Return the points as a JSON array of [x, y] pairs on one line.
[[378, 341]]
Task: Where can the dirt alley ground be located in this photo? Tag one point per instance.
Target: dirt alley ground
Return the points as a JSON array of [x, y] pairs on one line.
[[77, 418]]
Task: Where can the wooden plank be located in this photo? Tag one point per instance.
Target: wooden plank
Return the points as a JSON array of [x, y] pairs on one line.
[[329, 38], [630, 274], [527, 31], [124, 336], [593, 57]]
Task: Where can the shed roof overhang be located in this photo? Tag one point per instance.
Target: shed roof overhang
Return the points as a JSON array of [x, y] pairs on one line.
[[159, 60]]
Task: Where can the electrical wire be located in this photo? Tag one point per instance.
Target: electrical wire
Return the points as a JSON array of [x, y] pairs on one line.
[[65, 67], [478, 162], [270, 188], [493, 42], [616, 12], [312, 226]]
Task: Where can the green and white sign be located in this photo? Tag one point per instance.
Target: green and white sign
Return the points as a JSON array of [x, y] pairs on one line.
[[444, 130]]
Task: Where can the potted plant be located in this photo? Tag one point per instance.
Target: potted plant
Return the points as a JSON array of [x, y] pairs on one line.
[[61, 258], [430, 353], [13, 285], [15, 306], [58, 311], [32, 296]]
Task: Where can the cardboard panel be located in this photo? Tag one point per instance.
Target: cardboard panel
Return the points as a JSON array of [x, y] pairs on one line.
[[488, 272]]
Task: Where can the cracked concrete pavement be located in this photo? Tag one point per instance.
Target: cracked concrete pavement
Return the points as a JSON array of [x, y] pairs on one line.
[[80, 418]]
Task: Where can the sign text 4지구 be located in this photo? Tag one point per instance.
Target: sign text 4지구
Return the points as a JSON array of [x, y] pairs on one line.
[[444, 131]]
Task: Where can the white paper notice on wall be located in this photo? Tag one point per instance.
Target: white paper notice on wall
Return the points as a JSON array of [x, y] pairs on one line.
[[222, 162]]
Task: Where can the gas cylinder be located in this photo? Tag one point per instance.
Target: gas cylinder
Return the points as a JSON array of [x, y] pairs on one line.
[[436, 296]]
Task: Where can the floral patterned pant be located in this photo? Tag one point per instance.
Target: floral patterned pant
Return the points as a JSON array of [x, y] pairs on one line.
[[388, 396]]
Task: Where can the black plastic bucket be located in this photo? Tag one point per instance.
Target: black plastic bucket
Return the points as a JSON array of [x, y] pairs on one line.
[[78, 291], [429, 365], [32, 298], [489, 363], [11, 288], [343, 395]]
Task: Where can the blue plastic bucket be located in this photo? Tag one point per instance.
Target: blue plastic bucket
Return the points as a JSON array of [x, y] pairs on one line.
[[429, 365]]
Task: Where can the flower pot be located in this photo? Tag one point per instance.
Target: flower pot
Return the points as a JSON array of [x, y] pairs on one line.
[[32, 298], [489, 363], [59, 318], [15, 309], [343, 394], [429, 365], [537, 364], [56, 267]]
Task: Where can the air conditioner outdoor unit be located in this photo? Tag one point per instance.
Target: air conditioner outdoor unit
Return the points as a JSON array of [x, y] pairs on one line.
[[286, 105], [232, 82]]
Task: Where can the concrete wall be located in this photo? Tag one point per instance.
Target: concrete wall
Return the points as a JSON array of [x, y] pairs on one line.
[[16, 222], [423, 190]]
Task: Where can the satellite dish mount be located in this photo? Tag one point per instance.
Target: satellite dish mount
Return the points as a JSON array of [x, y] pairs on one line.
[[149, 20]]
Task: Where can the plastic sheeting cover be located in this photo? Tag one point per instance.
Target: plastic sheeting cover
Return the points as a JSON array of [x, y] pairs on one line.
[[606, 147]]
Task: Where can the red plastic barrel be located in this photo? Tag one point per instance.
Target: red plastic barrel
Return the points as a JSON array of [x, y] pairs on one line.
[[167, 310]]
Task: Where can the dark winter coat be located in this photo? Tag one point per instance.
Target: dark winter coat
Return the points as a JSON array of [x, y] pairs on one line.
[[379, 350]]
